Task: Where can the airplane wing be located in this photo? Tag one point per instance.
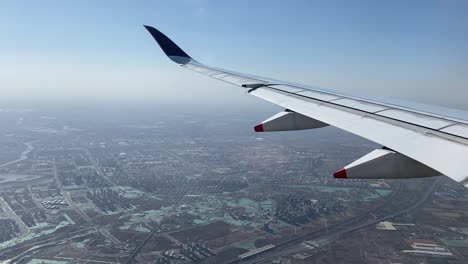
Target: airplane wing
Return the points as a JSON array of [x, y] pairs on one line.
[[416, 143]]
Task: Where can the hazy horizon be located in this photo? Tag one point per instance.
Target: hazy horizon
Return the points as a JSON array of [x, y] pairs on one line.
[[91, 52]]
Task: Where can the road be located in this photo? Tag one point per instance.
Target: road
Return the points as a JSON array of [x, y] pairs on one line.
[[163, 234], [12, 215], [138, 248], [325, 237], [67, 197]]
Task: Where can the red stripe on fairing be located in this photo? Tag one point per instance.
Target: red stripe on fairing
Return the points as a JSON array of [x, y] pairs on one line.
[[341, 174], [258, 128]]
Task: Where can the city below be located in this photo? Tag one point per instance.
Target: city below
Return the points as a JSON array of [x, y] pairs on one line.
[[166, 187]]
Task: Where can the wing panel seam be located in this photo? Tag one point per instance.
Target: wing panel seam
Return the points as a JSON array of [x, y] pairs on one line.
[[404, 108], [442, 133], [447, 126]]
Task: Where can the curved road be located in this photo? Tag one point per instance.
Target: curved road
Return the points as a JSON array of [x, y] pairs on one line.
[[336, 233]]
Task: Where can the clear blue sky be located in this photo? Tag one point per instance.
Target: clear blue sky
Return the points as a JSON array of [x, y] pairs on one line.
[[416, 50]]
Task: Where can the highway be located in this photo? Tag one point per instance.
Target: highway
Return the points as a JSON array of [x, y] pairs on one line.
[[334, 232], [138, 248], [77, 209]]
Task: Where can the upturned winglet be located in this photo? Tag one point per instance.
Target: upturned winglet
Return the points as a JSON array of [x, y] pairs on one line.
[[174, 52]]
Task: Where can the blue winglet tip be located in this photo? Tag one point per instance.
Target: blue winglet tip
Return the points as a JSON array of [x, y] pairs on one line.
[[171, 49]]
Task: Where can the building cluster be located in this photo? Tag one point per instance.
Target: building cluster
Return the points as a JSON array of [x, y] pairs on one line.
[[54, 204], [19, 199], [22, 203], [431, 249], [32, 218], [107, 199], [168, 256], [8, 229], [238, 214], [45, 191], [195, 250], [74, 168], [42, 167], [82, 176], [221, 186], [298, 209], [163, 260]]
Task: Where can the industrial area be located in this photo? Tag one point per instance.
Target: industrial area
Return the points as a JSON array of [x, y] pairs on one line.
[[156, 191]]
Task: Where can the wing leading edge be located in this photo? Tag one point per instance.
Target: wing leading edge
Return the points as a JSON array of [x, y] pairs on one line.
[[420, 143]]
